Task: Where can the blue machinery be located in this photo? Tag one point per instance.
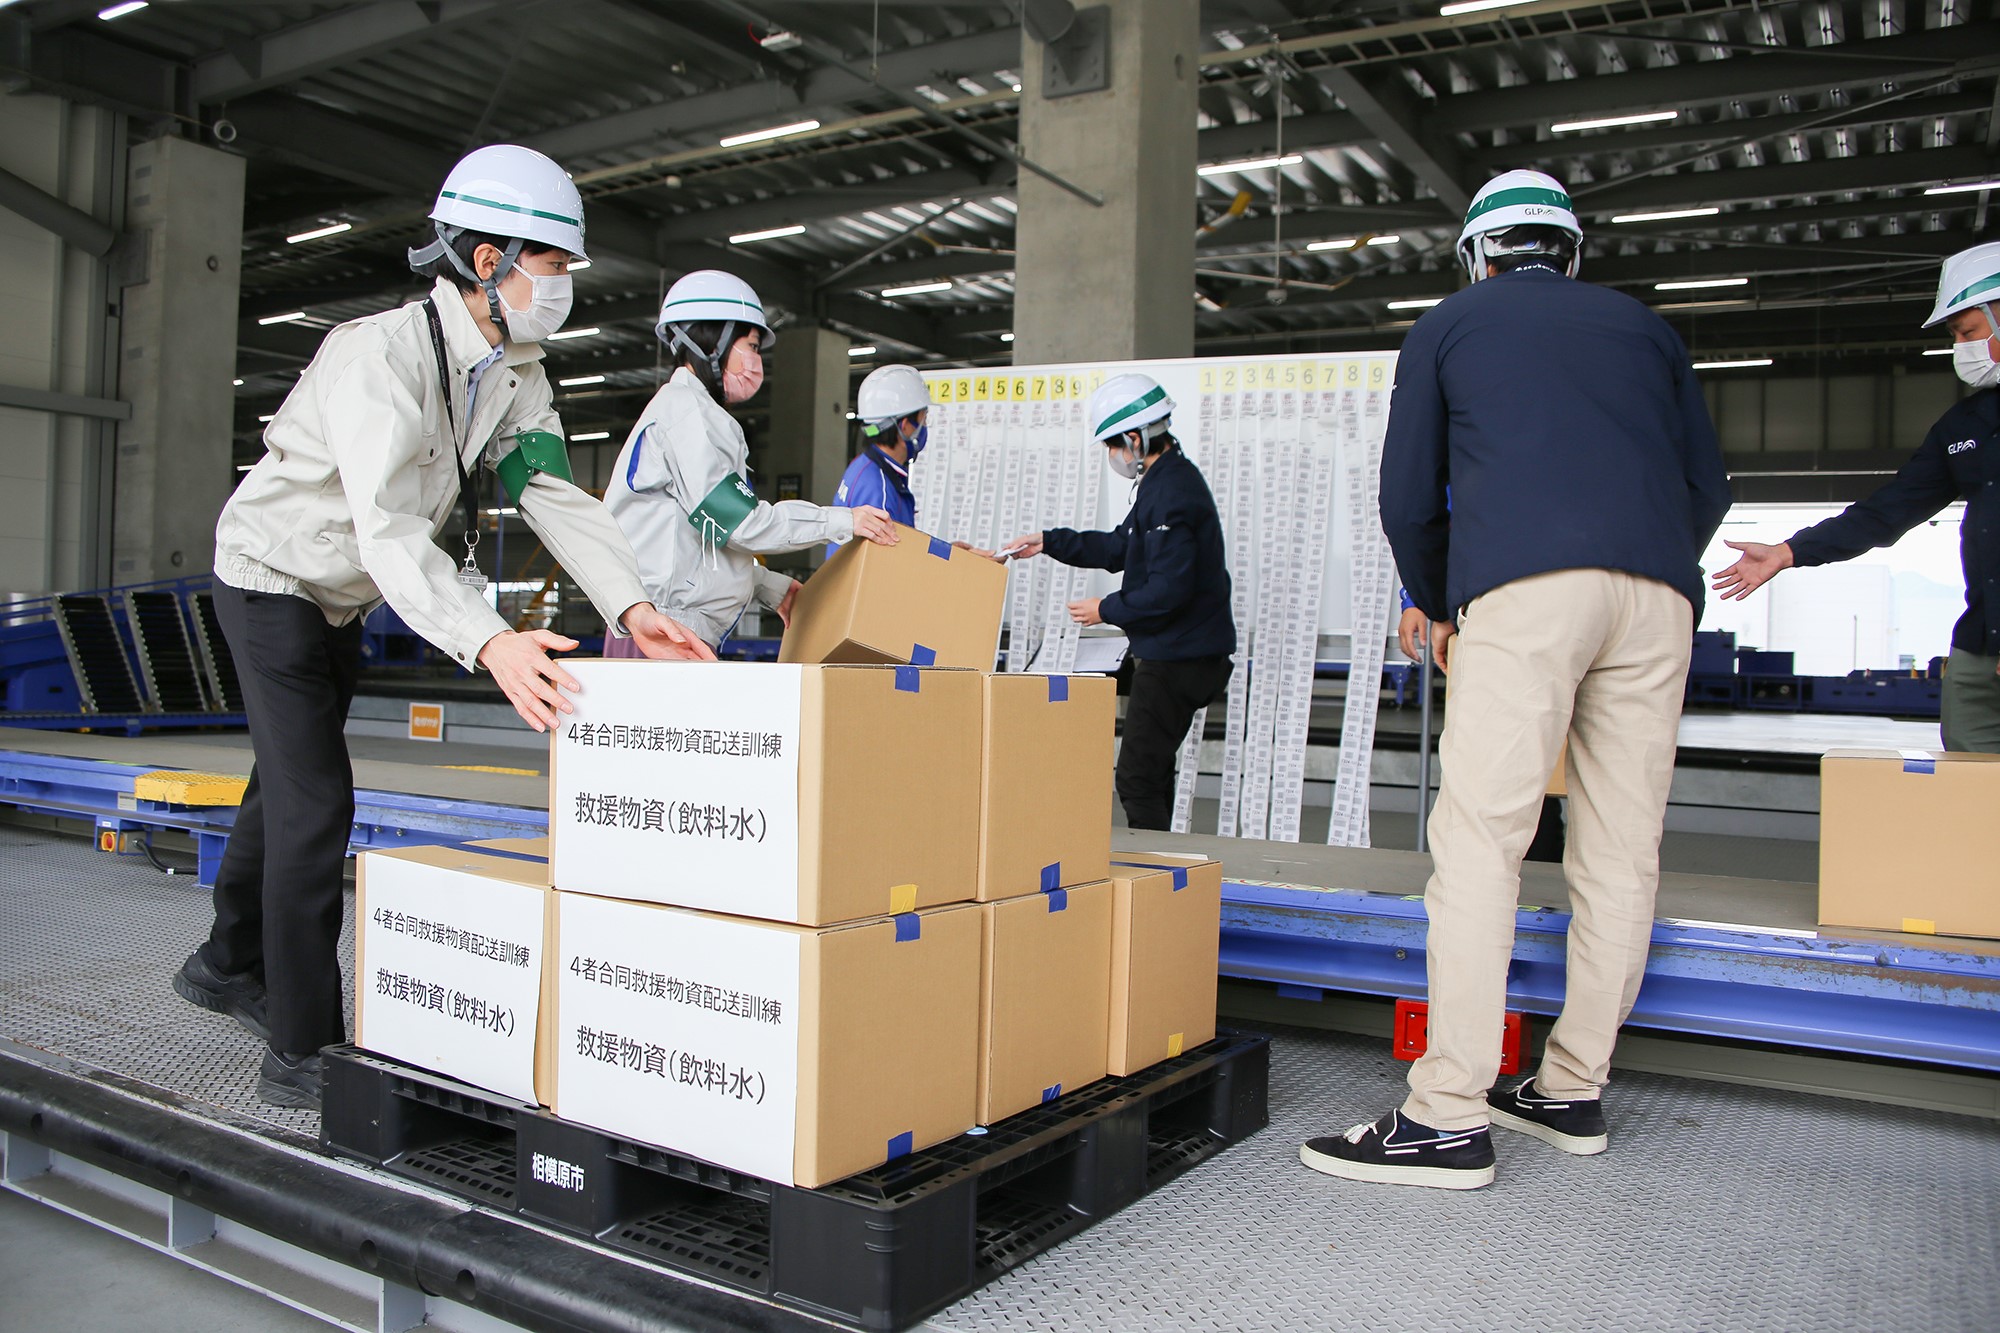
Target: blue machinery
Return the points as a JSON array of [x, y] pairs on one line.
[[1935, 1002]]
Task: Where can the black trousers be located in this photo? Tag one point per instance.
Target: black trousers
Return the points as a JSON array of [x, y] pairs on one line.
[[278, 894], [1165, 697]]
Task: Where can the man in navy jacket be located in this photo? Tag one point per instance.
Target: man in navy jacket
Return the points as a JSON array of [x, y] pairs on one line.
[[1584, 480], [1174, 601]]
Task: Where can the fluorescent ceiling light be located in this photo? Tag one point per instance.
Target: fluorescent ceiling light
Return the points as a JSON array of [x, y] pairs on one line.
[[1733, 365], [578, 381], [501, 513], [769, 234], [1006, 337], [1699, 284], [1250, 164], [861, 351], [237, 383], [283, 319], [1425, 304], [581, 436], [245, 467], [317, 232], [120, 11], [567, 334], [1668, 215], [1966, 188], [578, 265], [1939, 351], [918, 289], [272, 417], [851, 416], [1607, 122], [1474, 6], [775, 132], [1390, 239], [1347, 244]]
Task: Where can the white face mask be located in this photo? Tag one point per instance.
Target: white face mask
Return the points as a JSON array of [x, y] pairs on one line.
[[551, 295], [1122, 463], [1975, 364]]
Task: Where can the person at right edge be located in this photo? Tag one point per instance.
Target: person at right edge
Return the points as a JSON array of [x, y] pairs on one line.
[[1958, 460], [1585, 480], [1174, 601]]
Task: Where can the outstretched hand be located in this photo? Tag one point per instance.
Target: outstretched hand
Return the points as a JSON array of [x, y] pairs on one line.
[[1759, 565]]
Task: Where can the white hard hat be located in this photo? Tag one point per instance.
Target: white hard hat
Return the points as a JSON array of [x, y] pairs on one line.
[[508, 190], [891, 393], [1513, 199], [1970, 278], [1127, 402], [711, 294]]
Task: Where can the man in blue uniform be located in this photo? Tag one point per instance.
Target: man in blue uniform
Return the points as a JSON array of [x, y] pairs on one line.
[[1584, 482], [1958, 460], [893, 406], [1174, 601]]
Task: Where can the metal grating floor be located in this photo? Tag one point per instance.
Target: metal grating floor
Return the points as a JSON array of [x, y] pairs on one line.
[[1718, 1206]]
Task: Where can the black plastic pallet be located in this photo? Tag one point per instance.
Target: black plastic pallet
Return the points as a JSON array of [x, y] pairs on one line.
[[167, 664], [878, 1251], [218, 664], [97, 654]]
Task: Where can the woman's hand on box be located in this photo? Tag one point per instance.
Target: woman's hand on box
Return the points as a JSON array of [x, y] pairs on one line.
[[521, 666], [875, 525], [784, 607], [660, 637]]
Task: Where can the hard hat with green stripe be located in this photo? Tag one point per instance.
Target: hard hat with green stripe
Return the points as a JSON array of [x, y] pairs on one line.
[[1971, 278], [1125, 403], [710, 295], [1512, 199], [507, 190]]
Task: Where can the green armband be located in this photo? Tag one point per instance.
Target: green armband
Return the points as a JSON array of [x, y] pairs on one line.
[[534, 451], [723, 510]]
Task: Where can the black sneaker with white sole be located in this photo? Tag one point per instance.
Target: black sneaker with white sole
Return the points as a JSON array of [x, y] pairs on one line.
[[291, 1080], [1573, 1124], [1396, 1150], [199, 982]]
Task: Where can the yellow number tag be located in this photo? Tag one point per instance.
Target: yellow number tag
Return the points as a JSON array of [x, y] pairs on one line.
[[1228, 379], [1377, 374], [982, 389], [1041, 389], [963, 390]]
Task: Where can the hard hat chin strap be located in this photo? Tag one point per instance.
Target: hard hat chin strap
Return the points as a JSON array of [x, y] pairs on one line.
[[712, 359], [442, 248]]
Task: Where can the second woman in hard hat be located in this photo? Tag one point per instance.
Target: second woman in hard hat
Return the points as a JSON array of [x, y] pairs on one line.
[[681, 490], [893, 406]]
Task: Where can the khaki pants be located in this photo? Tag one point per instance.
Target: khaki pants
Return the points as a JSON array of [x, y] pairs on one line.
[[1971, 718], [1600, 658]]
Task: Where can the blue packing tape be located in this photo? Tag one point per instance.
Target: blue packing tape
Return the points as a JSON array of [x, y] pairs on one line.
[[940, 548], [922, 656], [1051, 877], [1050, 1093], [1179, 872], [1920, 766], [909, 680], [901, 1145], [500, 852], [1058, 899], [909, 926], [1058, 689]]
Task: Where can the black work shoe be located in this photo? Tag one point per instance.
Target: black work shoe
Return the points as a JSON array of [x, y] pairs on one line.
[[240, 996], [1574, 1124], [1398, 1151], [291, 1080]]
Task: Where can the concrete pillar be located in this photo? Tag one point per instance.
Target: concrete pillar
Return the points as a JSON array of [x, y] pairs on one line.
[[807, 447], [177, 359], [1117, 281]]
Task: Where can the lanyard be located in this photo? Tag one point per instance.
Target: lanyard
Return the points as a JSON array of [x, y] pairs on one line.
[[468, 573]]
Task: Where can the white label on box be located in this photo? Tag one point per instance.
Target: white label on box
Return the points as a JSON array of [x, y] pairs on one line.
[[681, 784], [454, 972], [680, 1031]]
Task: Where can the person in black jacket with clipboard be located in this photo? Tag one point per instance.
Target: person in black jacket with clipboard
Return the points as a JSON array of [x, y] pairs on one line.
[[1174, 601]]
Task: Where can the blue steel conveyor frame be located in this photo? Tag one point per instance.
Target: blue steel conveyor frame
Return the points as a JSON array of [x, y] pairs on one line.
[[1902, 997]]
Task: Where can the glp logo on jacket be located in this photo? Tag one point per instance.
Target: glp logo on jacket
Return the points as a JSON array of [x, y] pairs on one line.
[[1962, 446]]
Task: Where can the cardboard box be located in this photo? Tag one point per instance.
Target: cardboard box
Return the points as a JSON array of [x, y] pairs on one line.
[[793, 1054], [1048, 747], [1166, 932], [451, 958], [1908, 841], [920, 601], [810, 794], [1045, 997]]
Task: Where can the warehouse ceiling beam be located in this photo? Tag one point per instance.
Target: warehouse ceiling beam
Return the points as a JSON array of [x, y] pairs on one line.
[[769, 101], [1391, 112], [1785, 180], [329, 41]]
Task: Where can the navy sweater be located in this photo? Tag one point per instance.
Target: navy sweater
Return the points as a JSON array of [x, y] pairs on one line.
[[1174, 604], [1567, 426], [1958, 460]]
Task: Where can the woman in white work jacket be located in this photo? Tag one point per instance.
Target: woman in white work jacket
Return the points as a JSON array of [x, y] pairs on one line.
[[366, 463], [680, 489]]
